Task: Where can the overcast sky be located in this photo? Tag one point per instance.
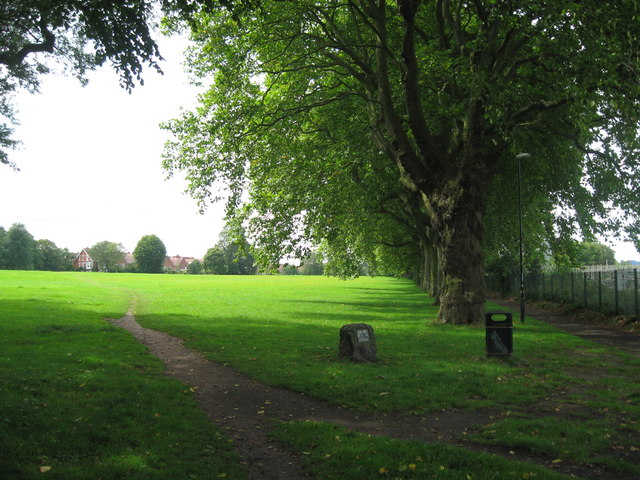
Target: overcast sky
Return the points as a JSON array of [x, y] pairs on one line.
[[90, 165]]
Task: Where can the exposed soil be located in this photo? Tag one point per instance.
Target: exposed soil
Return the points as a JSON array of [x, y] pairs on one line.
[[246, 409]]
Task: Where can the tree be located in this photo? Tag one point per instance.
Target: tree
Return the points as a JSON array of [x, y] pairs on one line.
[[312, 265], [67, 258], [107, 255], [592, 253], [50, 257], [20, 248], [448, 92], [215, 261], [288, 269], [237, 251], [3, 248], [232, 253], [195, 267], [149, 254]]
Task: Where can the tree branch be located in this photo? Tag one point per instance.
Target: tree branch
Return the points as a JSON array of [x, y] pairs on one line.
[[47, 45], [540, 107], [482, 11], [417, 121], [444, 41]]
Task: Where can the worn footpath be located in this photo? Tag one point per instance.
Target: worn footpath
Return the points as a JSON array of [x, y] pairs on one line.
[[246, 409]]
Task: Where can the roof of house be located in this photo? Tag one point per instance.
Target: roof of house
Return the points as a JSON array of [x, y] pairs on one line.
[[177, 261], [85, 250]]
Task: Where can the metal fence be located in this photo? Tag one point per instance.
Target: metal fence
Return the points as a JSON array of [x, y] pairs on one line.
[[612, 291]]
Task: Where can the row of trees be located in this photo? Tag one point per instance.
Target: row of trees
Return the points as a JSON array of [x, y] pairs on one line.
[[20, 251], [230, 256], [385, 131], [390, 130]]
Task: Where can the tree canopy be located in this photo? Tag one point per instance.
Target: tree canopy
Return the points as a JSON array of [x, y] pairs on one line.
[[592, 253], [406, 117], [49, 257], [231, 255], [149, 254], [39, 35], [20, 247], [20, 251], [215, 261], [107, 255]]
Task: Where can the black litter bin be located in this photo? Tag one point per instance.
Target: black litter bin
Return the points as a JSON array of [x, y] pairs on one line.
[[499, 326]]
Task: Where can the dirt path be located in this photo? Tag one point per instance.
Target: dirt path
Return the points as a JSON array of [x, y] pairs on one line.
[[628, 342], [245, 409]]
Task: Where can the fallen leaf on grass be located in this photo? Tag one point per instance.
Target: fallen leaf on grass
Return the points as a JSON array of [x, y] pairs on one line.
[[45, 469]]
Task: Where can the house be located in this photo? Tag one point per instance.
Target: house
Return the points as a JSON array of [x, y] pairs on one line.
[[177, 263], [83, 261]]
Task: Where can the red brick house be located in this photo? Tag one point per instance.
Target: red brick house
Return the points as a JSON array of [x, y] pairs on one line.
[[83, 261]]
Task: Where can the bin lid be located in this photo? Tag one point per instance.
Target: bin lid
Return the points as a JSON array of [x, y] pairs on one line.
[[498, 319]]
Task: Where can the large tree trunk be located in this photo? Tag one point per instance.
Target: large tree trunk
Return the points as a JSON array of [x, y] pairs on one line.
[[433, 272], [446, 167], [459, 229], [423, 276], [429, 269]]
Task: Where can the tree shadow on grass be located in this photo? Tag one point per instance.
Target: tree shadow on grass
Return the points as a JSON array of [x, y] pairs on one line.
[[49, 316], [414, 307]]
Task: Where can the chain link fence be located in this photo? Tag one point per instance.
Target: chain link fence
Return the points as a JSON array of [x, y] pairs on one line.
[[609, 290]]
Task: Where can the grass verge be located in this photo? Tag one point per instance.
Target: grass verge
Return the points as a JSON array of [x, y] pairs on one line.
[[82, 399], [330, 452]]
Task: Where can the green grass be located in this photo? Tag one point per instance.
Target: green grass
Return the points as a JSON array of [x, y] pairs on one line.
[[562, 439], [81, 399], [283, 331], [334, 453]]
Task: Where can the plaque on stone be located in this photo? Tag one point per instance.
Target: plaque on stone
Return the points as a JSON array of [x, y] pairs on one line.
[[358, 343]]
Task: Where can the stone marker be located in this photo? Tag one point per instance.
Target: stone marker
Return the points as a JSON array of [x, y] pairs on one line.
[[358, 343]]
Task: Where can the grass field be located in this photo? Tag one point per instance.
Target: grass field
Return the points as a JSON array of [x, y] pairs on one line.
[[81, 399]]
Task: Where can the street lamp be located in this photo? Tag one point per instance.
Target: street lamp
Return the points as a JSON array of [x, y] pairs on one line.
[[519, 157]]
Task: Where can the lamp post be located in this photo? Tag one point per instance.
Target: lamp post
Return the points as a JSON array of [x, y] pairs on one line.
[[519, 157]]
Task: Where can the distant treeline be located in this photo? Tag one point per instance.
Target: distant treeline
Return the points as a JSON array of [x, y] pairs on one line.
[[20, 251]]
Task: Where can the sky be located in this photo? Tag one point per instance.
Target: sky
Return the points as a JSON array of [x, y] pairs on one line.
[[90, 164]]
